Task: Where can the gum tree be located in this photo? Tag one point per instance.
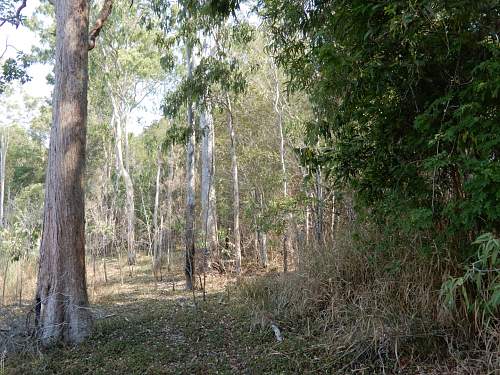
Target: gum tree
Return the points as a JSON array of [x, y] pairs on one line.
[[61, 310]]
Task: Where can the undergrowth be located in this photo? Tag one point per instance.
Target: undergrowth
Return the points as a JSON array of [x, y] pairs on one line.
[[350, 308]]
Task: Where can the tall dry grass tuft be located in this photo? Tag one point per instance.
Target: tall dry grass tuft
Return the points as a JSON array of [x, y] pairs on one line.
[[372, 310], [17, 280]]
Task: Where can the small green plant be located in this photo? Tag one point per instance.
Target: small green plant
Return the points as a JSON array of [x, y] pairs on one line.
[[478, 290]]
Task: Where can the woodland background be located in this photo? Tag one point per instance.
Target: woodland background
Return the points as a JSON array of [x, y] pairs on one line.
[[338, 168]]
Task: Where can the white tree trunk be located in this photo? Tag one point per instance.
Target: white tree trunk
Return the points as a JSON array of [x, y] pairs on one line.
[[119, 123], [263, 249], [208, 200], [319, 208], [4, 144], [236, 190], [161, 245], [262, 236], [157, 253], [170, 186], [256, 223], [333, 222], [190, 184], [278, 108]]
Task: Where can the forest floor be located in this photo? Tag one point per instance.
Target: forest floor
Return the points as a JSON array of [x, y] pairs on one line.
[[148, 327], [143, 327]]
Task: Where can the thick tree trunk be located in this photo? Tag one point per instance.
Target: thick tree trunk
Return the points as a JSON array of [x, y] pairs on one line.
[[236, 189], [208, 202], [190, 185], [4, 144], [61, 311]]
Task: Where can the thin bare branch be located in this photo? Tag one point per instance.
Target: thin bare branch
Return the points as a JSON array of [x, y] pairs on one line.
[[16, 20]]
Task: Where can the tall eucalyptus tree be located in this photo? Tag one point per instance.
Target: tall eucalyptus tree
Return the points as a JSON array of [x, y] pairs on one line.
[[61, 310]]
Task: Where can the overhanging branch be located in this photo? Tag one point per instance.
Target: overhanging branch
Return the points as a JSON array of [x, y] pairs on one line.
[[99, 23]]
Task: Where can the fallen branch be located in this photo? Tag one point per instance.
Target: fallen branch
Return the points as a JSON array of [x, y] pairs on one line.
[[277, 332], [106, 316]]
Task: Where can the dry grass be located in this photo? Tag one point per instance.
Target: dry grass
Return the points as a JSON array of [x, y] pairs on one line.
[[346, 310], [358, 310], [146, 327], [17, 281]]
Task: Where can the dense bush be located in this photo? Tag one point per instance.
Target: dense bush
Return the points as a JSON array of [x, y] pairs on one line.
[[368, 309], [406, 97]]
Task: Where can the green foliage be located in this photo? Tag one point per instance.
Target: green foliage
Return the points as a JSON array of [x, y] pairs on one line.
[[11, 12], [126, 65], [406, 104], [26, 159], [478, 290], [221, 8], [195, 25], [208, 73], [13, 239], [274, 217], [175, 135], [14, 69]]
